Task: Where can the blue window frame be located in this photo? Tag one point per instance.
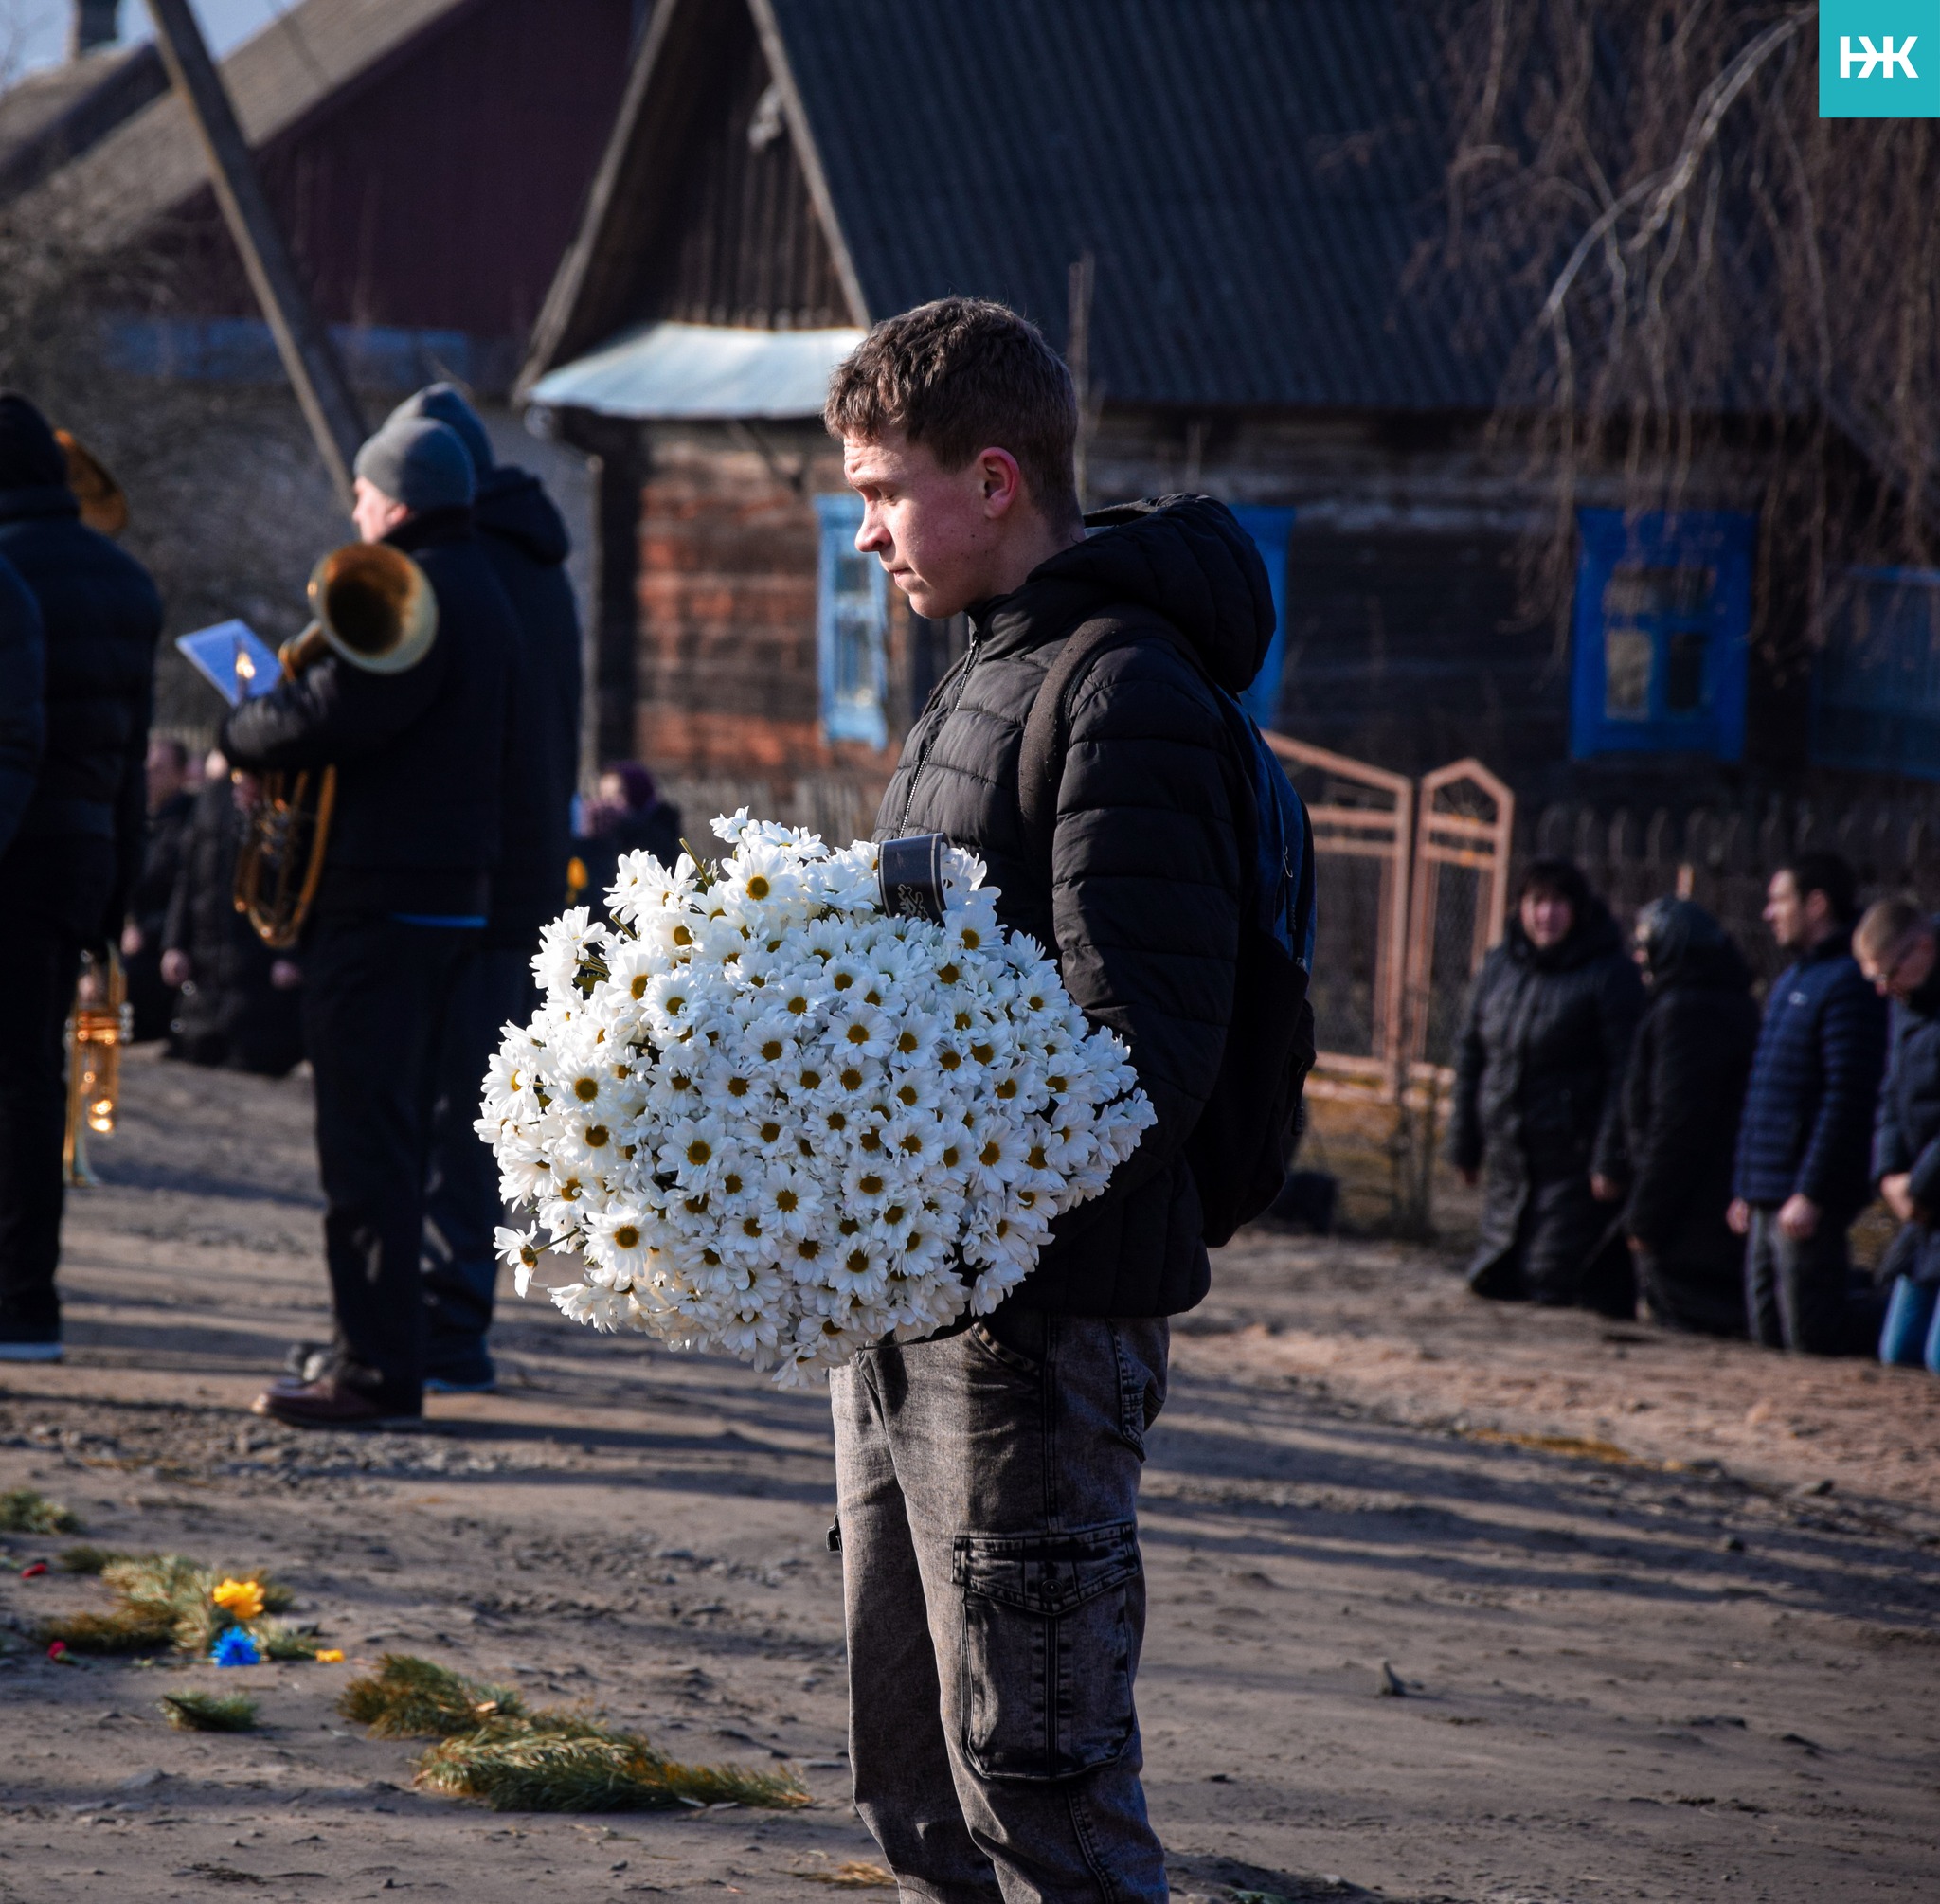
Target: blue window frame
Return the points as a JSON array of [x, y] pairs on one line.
[[852, 628], [1875, 685], [1664, 604], [1268, 527]]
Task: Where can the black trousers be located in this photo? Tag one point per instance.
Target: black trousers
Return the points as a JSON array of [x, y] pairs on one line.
[[40, 959], [374, 992], [463, 1207]]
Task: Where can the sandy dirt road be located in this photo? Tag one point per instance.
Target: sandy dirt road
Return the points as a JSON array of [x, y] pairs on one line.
[[1667, 1614]]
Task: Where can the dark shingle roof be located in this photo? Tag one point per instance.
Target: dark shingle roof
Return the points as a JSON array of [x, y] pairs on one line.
[[57, 111], [1252, 177]]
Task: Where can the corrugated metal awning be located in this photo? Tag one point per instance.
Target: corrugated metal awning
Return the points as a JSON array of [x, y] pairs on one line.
[[701, 370]]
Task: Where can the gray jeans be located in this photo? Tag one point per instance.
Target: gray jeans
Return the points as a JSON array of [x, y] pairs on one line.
[[1795, 1290], [987, 1487]]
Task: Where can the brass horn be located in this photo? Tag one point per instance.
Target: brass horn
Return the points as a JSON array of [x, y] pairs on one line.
[[374, 609], [103, 503]]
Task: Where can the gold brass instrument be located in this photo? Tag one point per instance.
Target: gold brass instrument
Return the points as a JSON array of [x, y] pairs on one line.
[[96, 1033], [373, 609], [103, 507]]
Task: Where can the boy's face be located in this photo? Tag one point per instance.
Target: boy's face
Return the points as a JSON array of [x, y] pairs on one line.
[[940, 533]]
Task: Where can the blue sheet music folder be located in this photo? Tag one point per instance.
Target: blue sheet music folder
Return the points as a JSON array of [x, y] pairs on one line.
[[233, 659]]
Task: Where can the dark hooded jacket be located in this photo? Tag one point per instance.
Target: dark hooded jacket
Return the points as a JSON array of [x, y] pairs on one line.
[[1139, 902], [1907, 1137], [23, 699], [77, 844], [1538, 1097], [1682, 1097], [419, 755], [525, 539]]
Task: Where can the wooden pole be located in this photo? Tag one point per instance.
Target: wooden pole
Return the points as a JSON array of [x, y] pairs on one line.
[[309, 356]]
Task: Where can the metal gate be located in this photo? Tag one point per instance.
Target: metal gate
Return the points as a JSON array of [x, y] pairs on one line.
[[1412, 880]]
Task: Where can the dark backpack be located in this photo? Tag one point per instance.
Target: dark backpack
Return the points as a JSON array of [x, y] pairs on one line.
[[1239, 1149]]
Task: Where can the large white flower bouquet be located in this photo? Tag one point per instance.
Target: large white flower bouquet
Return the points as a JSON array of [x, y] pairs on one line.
[[769, 1116]]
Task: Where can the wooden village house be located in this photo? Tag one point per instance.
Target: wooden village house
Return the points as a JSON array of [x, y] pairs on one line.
[[1248, 192]]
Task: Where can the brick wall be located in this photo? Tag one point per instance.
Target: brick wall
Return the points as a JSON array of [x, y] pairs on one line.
[[726, 682]]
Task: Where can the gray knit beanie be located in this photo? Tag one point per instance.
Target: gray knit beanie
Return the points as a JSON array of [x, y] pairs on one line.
[[446, 403], [420, 463]]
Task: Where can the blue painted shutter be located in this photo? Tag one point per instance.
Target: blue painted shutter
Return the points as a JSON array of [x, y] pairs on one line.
[[1664, 605], [852, 628], [1875, 685]]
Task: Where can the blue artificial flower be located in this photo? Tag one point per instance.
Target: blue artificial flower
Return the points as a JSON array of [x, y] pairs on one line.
[[236, 1648]]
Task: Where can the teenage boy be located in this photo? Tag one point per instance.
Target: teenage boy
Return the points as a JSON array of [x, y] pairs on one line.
[[987, 1478], [1805, 1139]]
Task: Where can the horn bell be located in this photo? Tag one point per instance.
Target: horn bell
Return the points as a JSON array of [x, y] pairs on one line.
[[103, 503], [374, 607]]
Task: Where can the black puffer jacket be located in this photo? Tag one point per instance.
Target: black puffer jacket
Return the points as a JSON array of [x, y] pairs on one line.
[[1538, 1097], [101, 618], [420, 756], [1682, 1097], [525, 539], [1141, 901], [23, 699]]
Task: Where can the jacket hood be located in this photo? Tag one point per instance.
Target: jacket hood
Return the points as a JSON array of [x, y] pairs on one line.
[[1184, 557], [29, 502], [512, 503], [1593, 936], [1686, 948]]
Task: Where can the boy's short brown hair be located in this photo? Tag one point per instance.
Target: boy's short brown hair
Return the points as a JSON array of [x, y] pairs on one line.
[[960, 375]]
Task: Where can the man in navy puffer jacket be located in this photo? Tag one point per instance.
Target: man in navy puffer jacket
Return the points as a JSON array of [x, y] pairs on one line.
[[1805, 1136]]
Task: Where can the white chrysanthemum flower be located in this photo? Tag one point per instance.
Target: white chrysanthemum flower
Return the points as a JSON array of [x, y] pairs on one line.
[[771, 1120], [520, 1250]]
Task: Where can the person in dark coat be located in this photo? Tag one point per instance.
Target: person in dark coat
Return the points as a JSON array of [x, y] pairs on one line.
[[237, 1003], [23, 699], [1682, 1092], [977, 1452], [65, 876], [1898, 949], [171, 801], [1804, 1138], [405, 895], [1539, 1097], [524, 538], [628, 816]]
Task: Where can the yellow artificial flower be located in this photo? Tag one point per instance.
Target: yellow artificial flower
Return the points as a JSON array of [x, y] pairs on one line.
[[329, 1656], [241, 1599]]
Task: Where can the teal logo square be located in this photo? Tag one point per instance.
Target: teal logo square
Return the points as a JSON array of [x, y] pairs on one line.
[[1879, 59]]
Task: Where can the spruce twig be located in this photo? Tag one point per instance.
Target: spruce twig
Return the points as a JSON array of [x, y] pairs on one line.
[[200, 1711], [23, 1511]]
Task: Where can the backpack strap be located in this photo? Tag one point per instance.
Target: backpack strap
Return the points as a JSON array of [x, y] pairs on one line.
[[1047, 728]]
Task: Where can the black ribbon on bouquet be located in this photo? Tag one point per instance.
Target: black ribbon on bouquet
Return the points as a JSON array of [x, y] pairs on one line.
[[910, 877]]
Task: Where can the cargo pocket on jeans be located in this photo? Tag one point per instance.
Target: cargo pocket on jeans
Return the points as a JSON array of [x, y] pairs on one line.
[[1046, 1666]]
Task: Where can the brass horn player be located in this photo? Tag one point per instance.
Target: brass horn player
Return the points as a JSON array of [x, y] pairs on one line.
[[377, 761], [79, 623], [373, 610]]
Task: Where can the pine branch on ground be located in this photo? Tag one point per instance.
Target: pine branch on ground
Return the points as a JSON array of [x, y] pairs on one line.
[[408, 1698], [199, 1712], [491, 1748], [165, 1600], [87, 1559], [557, 1762], [23, 1511]]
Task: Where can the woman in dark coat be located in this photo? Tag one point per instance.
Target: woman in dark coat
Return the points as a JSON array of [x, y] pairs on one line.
[[1688, 1069], [1539, 1097]]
